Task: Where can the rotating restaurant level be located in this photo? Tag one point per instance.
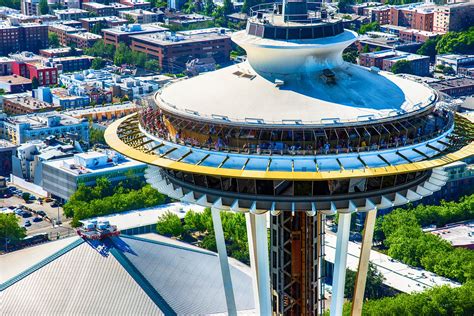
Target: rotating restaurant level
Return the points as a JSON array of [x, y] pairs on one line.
[[296, 139]]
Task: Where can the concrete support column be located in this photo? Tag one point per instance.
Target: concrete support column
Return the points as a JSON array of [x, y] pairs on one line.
[[224, 262], [259, 262], [340, 262], [361, 277]]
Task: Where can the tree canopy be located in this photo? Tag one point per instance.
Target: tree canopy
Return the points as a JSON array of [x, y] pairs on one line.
[[43, 7], [438, 301], [374, 287], [369, 27], [10, 229], [402, 67], [105, 198], [53, 40], [401, 232], [456, 42]]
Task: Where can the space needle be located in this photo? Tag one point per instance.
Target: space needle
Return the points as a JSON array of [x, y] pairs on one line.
[[297, 133]]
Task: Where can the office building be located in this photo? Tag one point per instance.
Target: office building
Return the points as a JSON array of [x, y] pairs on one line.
[[294, 134], [23, 128], [16, 104], [62, 177], [14, 84], [173, 51], [122, 34]]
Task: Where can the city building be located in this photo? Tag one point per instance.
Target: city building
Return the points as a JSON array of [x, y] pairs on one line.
[[27, 162], [30, 7], [386, 42], [23, 128], [72, 63], [16, 104], [173, 51], [33, 66], [103, 114], [83, 39], [161, 277], [33, 36], [457, 234], [121, 34], [7, 151], [71, 14], [118, 7], [102, 22], [288, 137], [142, 16], [137, 4], [187, 19], [22, 37], [64, 32], [99, 9], [60, 52], [381, 15], [453, 17], [14, 84], [5, 66], [63, 98], [62, 177], [9, 37], [416, 16], [455, 87], [412, 35], [385, 59], [455, 61]]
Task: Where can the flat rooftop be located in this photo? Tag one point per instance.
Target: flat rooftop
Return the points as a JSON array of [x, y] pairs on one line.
[[68, 165], [135, 29], [87, 36], [163, 39], [239, 94], [452, 83], [458, 234], [103, 18], [14, 79], [40, 120], [30, 102]]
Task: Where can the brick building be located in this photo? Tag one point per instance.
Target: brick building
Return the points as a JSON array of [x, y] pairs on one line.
[[387, 58], [455, 87], [99, 9], [102, 21], [64, 32], [9, 37], [142, 16], [173, 51], [412, 35], [84, 39], [14, 84], [33, 66], [25, 104], [121, 34], [453, 17], [71, 14]]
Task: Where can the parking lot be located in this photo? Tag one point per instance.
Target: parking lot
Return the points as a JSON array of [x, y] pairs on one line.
[[35, 215]]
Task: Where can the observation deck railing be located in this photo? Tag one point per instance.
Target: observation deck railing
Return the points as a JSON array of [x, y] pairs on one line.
[[273, 13], [160, 127]]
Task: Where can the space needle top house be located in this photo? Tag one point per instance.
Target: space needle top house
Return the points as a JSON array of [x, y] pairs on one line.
[[297, 132]]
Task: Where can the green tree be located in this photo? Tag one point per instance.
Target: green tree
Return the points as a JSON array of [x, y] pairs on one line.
[[169, 224], [228, 7], [98, 63], [10, 229], [152, 64], [26, 196], [209, 7], [43, 7], [53, 40], [2, 91], [96, 136], [456, 42], [438, 301], [35, 83], [374, 26], [366, 49], [374, 287], [429, 47], [344, 5], [402, 67]]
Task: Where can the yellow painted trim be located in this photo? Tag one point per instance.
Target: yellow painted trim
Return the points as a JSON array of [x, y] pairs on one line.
[[116, 143]]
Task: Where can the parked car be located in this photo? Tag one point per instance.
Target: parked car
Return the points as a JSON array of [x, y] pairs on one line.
[[37, 219], [26, 214], [27, 223], [42, 213]]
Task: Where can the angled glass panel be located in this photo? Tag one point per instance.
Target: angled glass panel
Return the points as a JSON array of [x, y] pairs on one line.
[[234, 162], [213, 160], [259, 164], [372, 161], [351, 163], [305, 165], [330, 164], [280, 165]]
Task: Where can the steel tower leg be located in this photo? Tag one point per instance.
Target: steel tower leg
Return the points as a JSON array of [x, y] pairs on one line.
[[340, 262], [259, 263], [224, 262], [361, 277]]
